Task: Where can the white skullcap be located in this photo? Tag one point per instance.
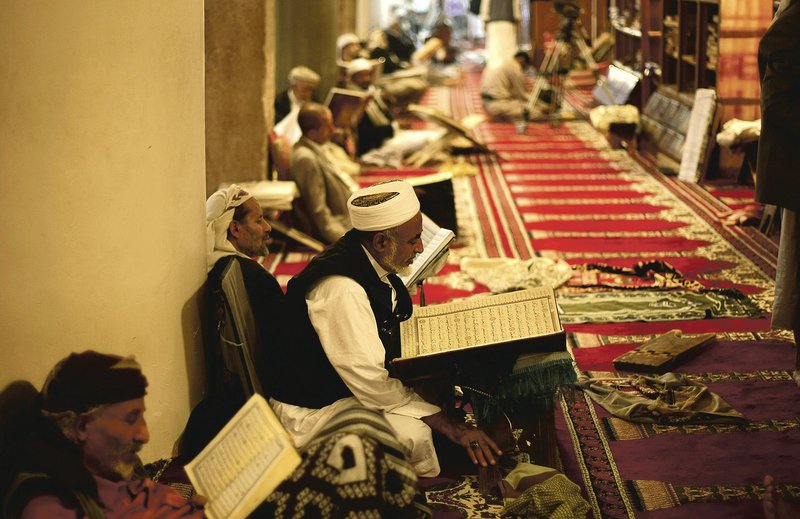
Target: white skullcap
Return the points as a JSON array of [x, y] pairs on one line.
[[383, 206], [346, 39], [301, 74], [219, 214], [358, 65]]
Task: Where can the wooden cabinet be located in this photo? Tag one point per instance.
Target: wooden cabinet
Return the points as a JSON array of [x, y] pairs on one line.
[[636, 26], [691, 50], [690, 44]]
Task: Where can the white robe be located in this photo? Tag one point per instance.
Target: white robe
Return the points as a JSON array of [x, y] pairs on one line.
[[340, 312]]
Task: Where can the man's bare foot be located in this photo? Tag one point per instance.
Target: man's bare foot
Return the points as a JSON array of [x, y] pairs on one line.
[[774, 506], [768, 498]]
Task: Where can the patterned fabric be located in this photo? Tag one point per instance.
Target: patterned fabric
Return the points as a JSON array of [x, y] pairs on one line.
[[653, 305], [353, 468], [669, 398], [546, 494], [658, 495]]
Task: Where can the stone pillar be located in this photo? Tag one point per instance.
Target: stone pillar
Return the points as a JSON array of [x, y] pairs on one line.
[[237, 79], [306, 35]]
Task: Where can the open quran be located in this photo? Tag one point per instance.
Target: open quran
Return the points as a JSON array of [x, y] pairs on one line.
[[244, 463], [435, 242], [346, 105], [510, 324]]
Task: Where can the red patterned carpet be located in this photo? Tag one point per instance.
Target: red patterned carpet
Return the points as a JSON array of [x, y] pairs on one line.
[[561, 193]]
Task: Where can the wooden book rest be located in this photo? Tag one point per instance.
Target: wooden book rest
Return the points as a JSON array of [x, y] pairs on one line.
[[663, 353]]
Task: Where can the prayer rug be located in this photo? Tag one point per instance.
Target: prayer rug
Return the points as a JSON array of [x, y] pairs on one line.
[[710, 470]]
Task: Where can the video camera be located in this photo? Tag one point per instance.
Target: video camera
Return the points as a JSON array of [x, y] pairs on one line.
[[569, 9]]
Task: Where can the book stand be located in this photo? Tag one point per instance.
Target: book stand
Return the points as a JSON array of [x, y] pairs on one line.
[[454, 130]]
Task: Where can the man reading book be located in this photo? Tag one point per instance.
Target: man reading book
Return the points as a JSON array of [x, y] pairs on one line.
[[346, 307]]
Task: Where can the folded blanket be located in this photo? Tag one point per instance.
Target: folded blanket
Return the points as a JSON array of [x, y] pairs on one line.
[[670, 398], [535, 491]]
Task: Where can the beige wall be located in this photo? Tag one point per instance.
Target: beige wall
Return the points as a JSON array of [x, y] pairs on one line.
[[101, 191]]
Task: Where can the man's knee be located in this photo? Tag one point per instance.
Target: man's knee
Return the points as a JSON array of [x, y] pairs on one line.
[[417, 437]]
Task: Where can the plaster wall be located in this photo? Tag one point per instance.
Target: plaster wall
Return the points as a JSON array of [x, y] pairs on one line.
[[102, 192]]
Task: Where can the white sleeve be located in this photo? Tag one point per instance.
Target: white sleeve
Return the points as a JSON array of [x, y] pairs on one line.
[[339, 310]]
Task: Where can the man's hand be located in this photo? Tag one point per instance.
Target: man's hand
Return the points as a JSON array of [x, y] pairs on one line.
[[198, 500], [480, 448]]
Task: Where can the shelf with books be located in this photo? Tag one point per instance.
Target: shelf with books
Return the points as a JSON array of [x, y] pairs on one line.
[[637, 38], [702, 44], [630, 31]]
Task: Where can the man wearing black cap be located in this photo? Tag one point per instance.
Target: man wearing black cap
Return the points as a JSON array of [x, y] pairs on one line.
[[77, 454]]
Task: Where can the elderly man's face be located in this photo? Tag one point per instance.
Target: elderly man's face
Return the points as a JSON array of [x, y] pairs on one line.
[[326, 128], [363, 79], [111, 437], [351, 51], [403, 243], [303, 91], [251, 235]]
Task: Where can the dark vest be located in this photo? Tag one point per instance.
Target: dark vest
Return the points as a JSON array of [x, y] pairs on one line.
[[309, 378]]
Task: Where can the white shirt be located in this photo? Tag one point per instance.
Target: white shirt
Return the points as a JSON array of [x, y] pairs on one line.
[[339, 310]]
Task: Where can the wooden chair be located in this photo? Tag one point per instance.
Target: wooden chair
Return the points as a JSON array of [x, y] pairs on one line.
[[280, 153]]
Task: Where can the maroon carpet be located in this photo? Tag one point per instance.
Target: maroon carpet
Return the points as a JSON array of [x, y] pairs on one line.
[[711, 471]]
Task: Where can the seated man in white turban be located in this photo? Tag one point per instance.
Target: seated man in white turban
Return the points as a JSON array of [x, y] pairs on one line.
[[321, 209], [236, 231], [346, 306], [377, 124], [381, 484], [302, 83]]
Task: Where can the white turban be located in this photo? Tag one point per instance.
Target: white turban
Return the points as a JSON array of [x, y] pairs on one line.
[[301, 74], [383, 206], [358, 65], [346, 39], [219, 215]]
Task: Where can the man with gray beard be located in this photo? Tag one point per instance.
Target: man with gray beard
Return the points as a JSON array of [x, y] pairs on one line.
[[78, 451], [346, 309]]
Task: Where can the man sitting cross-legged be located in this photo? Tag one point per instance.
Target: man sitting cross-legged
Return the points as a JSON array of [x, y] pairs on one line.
[[346, 307], [353, 463]]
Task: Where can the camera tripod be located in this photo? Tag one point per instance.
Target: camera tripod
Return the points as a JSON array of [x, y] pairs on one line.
[[567, 41]]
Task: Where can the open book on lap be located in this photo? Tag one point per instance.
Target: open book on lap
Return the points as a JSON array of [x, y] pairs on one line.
[[244, 463]]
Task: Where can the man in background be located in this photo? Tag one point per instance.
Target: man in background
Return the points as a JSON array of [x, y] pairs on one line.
[[302, 83], [377, 123], [503, 90], [778, 170], [321, 210]]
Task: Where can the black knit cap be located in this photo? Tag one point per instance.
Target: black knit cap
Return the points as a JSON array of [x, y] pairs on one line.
[[89, 379]]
